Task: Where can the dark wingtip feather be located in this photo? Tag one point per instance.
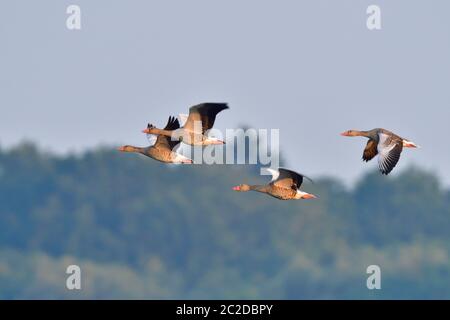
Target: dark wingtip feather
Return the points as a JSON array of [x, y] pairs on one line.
[[220, 105], [172, 123]]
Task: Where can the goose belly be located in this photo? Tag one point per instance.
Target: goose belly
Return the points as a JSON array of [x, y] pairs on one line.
[[162, 155]]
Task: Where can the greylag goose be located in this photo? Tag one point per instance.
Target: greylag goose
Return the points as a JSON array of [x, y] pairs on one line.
[[285, 185], [387, 145], [201, 118], [163, 149]]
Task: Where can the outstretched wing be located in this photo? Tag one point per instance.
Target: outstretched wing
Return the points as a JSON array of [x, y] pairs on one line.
[[204, 113], [389, 149], [370, 151], [164, 141], [287, 179]]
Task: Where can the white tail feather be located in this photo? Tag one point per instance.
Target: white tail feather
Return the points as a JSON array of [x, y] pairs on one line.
[[410, 144]]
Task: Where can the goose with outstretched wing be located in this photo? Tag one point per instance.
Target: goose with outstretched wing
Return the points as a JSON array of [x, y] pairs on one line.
[[162, 148], [387, 145], [201, 118], [285, 185]]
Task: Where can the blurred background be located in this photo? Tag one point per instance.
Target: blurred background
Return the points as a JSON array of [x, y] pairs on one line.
[[140, 229]]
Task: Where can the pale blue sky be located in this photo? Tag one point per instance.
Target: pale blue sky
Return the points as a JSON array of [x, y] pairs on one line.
[[310, 68]]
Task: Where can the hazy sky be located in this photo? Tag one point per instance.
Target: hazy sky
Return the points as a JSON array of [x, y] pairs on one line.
[[310, 68]]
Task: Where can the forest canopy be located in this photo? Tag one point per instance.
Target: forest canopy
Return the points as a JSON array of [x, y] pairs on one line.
[[141, 229]]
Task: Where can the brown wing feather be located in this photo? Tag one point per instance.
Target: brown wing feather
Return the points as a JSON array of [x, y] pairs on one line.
[[370, 151], [289, 179], [286, 183]]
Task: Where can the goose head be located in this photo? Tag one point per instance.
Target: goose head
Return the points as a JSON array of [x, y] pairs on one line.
[[242, 188], [128, 148], [151, 129], [350, 133]]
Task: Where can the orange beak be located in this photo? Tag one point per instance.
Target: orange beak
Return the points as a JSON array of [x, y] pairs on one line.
[[345, 134], [146, 130], [121, 149], [309, 196], [237, 188]]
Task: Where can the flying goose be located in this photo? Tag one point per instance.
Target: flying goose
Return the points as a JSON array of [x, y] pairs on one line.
[[201, 118], [387, 145], [285, 185], [163, 149]]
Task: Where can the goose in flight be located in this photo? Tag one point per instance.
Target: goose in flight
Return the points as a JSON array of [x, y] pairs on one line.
[[163, 149], [200, 119], [285, 185], [387, 145]]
